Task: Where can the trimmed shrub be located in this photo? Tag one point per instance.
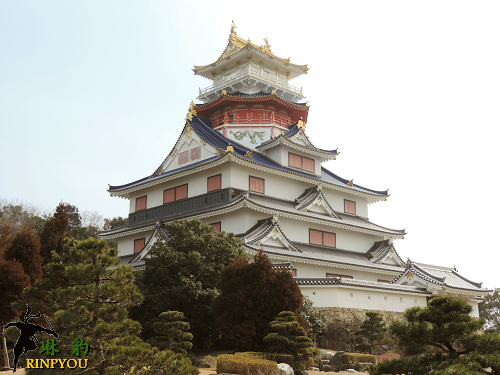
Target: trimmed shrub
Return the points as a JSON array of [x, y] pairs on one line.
[[354, 358], [276, 357], [245, 365]]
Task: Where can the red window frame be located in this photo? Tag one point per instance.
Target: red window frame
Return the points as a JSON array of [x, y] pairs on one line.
[[294, 272], [177, 193], [293, 162], [255, 185], [217, 226], [348, 205], [217, 186], [138, 202], [314, 238], [139, 245]]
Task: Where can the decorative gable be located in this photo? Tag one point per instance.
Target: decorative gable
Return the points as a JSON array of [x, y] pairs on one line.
[[267, 232], [314, 200], [159, 234], [189, 149], [385, 253]]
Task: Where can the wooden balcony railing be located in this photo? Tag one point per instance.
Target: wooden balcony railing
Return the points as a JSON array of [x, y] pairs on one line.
[[180, 208], [249, 118]]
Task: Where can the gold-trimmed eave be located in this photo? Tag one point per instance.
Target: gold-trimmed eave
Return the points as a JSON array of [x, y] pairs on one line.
[[271, 95], [299, 69], [125, 193], [282, 140], [127, 233], [246, 203]]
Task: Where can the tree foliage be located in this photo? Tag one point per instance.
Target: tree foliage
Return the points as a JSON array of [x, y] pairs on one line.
[[183, 274], [91, 293], [25, 248], [115, 222], [372, 329], [289, 337], [172, 333], [252, 295], [53, 234], [444, 323], [12, 282], [16, 216], [490, 310], [315, 318]]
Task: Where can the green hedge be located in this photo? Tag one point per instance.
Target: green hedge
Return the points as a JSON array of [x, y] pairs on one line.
[[356, 358], [245, 365], [276, 357]]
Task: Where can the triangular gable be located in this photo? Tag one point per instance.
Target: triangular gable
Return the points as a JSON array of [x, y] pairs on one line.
[[314, 200], [384, 252], [269, 233], [159, 234], [189, 149], [415, 276], [300, 138]]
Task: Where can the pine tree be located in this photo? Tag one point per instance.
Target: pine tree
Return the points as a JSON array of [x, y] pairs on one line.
[[172, 333], [25, 248], [372, 329], [289, 338], [252, 295], [91, 293], [490, 310]]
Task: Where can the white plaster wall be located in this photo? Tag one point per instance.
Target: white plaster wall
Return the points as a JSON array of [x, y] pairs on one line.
[[126, 243], [281, 157], [345, 239], [362, 298], [314, 270], [197, 184], [237, 221], [336, 200]]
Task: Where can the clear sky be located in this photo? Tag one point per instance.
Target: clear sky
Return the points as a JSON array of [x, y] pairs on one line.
[[96, 92]]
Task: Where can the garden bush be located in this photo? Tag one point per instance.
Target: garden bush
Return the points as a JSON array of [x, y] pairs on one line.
[[245, 365], [276, 357], [354, 358]]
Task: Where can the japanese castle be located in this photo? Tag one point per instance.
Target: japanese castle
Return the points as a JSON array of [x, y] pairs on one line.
[[243, 163]]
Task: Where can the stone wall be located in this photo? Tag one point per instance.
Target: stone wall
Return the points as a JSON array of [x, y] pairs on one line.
[[342, 322]]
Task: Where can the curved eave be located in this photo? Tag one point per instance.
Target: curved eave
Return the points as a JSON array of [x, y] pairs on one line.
[[259, 98], [294, 68]]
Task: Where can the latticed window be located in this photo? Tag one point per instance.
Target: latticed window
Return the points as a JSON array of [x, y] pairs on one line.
[[139, 245], [349, 207], [189, 155], [318, 237], [140, 203], [257, 184], [214, 183], [175, 194], [301, 162]]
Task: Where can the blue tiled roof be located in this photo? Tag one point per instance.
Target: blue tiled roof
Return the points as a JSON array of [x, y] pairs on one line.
[[202, 127]]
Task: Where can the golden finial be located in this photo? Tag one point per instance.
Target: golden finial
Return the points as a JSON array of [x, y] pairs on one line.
[[229, 148], [224, 92], [267, 47], [351, 182], [273, 92], [282, 133], [307, 104], [249, 154], [301, 125], [191, 111], [233, 28]]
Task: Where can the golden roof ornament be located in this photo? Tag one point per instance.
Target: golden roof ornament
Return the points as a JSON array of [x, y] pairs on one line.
[[229, 148], [191, 111], [351, 182], [267, 47], [301, 125], [249, 154], [233, 34], [224, 92]]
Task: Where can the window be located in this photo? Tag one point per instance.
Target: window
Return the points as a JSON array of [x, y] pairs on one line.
[[257, 184], [349, 207], [216, 226], [214, 183], [139, 245], [294, 272], [301, 162], [318, 237], [336, 275], [140, 203], [189, 155], [175, 194]]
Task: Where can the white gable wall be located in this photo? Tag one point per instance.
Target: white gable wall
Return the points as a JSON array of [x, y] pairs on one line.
[[126, 243]]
